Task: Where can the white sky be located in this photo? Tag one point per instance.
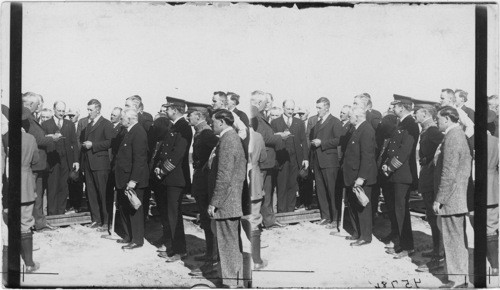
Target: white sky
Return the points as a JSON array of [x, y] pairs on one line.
[[78, 51]]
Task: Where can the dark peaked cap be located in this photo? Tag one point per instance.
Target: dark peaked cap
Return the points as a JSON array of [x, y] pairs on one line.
[[191, 107], [399, 99], [175, 102], [421, 104]]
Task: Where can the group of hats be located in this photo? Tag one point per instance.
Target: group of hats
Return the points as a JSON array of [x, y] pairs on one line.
[[189, 106], [417, 104]]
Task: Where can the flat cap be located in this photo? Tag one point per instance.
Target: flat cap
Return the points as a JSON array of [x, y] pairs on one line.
[[399, 99], [175, 102]]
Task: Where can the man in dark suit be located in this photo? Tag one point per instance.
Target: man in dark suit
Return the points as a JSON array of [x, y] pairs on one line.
[[203, 144], [374, 117], [273, 142], [227, 166], [96, 165], [61, 160], [325, 137], [31, 102], [430, 138], [75, 184], [119, 132], [175, 111], [291, 158], [145, 118], [360, 172], [451, 176], [233, 100], [403, 109], [305, 183], [396, 169], [461, 99], [131, 172]]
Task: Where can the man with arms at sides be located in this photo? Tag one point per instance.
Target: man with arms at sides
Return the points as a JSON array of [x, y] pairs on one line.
[[118, 132], [325, 137], [233, 100], [451, 175], [220, 101], [305, 183], [396, 171], [131, 172], [175, 111], [461, 99], [347, 129], [273, 142], [291, 158], [75, 185], [403, 108], [61, 160], [32, 102], [46, 114], [430, 138], [95, 162], [360, 171], [203, 144], [252, 222], [227, 165]]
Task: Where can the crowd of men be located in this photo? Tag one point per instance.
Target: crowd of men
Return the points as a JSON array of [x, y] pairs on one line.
[[239, 162]]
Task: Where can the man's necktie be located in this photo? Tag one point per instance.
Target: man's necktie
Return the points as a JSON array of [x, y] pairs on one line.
[[289, 122], [59, 123]]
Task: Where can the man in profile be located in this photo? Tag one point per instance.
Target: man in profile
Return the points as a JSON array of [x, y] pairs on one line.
[[227, 165], [451, 175], [132, 173], [360, 174]]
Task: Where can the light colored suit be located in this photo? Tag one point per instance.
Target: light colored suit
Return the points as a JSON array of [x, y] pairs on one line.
[[227, 173], [451, 175]]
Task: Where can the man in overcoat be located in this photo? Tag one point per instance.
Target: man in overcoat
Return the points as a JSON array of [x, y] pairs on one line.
[[131, 172]]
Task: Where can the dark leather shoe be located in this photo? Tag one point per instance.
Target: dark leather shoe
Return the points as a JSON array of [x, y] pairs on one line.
[[131, 246], [359, 243], [430, 254], [203, 258], [94, 225], [351, 238], [123, 241], [324, 222], [48, 228]]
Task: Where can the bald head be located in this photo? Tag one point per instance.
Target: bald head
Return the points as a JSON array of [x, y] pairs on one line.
[[59, 109], [288, 108]]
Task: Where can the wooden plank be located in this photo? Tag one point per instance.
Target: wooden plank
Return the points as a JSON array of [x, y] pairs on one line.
[[69, 219], [298, 216]]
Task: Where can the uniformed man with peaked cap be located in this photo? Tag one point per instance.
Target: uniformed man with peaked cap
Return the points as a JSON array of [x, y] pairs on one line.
[[203, 143], [175, 112]]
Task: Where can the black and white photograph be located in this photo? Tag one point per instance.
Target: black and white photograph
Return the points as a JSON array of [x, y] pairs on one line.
[[249, 145]]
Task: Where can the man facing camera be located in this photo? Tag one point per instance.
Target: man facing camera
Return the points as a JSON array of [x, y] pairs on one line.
[[227, 165], [131, 172], [360, 172], [291, 158]]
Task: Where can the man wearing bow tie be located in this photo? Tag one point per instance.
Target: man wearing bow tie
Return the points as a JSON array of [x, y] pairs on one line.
[[291, 158], [61, 160]]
